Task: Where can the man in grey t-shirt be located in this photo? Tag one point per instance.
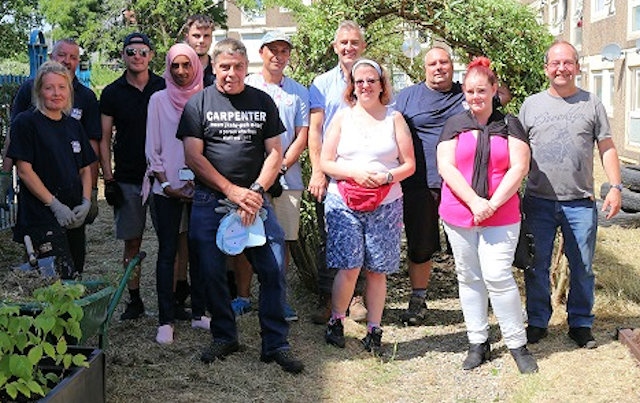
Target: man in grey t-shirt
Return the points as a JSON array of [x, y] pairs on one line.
[[564, 122]]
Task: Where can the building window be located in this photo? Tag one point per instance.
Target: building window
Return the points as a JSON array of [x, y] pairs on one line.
[[634, 111], [602, 9], [254, 16], [602, 86], [634, 18]]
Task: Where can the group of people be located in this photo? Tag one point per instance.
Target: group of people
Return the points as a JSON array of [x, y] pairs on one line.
[[207, 138]]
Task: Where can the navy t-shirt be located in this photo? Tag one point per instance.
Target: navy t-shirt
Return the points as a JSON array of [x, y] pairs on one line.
[[233, 128], [56, 150], [128, 107], [85, 106], [426, 111]]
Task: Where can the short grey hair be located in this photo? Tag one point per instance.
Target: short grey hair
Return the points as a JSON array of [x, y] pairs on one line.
[[348, 25], [229, 46]]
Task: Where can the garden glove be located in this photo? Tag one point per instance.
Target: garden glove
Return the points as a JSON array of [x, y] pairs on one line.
[[93, 211], [80, 213], [5, 184], [63, 213]]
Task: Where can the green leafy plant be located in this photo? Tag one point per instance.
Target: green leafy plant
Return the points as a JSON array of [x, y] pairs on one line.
[[27, 342]]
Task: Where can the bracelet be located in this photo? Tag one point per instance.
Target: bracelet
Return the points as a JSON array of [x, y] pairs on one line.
[[164, 185]]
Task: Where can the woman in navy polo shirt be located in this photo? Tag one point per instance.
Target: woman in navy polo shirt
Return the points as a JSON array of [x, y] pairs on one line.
[[52, 155]]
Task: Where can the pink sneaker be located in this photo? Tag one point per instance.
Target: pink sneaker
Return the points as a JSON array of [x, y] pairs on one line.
[[165, 334], [203, 323]]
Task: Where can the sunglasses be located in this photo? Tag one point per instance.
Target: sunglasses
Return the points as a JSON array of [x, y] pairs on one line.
[[370, 81], [133, 51]]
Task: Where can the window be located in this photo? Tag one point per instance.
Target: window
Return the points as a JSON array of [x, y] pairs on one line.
[[634, 111], [576, 24], [601, 9], [634, 18], [602, 86], [254, 16]]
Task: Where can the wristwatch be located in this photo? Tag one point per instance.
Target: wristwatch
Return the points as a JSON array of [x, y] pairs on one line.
[[617, 186], [389, 177], [283, 169], [256, 187]]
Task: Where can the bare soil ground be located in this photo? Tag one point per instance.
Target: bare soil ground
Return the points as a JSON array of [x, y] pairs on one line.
[[420, 363]]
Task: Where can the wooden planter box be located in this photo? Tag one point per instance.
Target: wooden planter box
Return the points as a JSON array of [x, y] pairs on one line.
[[82, 384]]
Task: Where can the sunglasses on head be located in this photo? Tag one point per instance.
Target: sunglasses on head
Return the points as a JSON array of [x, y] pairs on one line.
[[133, 51]]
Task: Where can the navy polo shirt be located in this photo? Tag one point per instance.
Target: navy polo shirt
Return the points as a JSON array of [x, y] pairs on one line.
[[128, 107], [85, 106]]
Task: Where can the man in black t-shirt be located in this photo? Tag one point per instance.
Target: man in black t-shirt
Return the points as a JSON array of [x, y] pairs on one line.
[[231, 139], [123, 105], [198, 33]]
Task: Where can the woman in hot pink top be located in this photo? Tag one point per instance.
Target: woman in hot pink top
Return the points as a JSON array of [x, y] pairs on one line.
[[483, 156]]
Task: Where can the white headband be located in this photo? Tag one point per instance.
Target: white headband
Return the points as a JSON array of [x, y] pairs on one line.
[[370, 63]]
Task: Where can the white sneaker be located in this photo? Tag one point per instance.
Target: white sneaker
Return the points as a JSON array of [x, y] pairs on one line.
[[165, 334], [203, 323]]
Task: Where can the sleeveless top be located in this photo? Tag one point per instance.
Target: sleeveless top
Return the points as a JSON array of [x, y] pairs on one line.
[[370, 147]]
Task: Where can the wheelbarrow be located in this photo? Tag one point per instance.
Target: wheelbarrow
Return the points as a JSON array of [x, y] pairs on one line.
[[98, 307]]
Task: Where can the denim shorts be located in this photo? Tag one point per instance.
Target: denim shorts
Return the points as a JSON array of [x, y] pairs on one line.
[[368, 240]]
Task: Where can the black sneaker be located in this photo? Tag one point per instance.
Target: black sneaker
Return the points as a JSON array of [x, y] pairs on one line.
[[535, 334], [416, 313], [335, 333], [183, 290], [477, 355], [179, 313], [524, 360], [583, 337], [373, 341], [134, 310], [285, 358], [218, 350]]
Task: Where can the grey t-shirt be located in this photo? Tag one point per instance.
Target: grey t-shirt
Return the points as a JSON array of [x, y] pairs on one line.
[[562, 132]]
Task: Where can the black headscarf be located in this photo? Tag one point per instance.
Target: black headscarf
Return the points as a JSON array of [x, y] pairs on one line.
[[497, 125]]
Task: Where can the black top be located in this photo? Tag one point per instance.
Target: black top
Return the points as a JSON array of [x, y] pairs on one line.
[[233, 128], [209, 76], [85, 106], [128, 107], [57, 150]]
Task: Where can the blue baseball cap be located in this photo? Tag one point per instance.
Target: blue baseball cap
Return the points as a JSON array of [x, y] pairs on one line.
[[232, 236]]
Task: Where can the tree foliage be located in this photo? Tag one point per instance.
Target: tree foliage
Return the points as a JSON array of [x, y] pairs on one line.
[[503, 30], [18, 18], [101, 25]]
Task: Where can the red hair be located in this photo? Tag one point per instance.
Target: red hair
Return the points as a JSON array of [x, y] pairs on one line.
[[481, 65]]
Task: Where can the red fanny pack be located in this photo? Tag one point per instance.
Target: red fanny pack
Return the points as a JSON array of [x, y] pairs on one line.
[[360, 198]]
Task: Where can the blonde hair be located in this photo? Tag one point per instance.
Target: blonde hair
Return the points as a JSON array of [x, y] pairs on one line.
[[51, 67]]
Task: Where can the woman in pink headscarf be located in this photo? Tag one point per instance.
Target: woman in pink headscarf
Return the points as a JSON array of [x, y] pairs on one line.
[[172, 188]]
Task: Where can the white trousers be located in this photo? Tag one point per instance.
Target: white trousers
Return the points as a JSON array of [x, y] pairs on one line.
[[483, 257]]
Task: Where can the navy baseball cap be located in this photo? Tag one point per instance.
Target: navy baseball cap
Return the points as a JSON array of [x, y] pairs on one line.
[[137, 38]]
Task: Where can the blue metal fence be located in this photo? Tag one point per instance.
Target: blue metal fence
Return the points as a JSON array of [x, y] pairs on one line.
[[37, 49]]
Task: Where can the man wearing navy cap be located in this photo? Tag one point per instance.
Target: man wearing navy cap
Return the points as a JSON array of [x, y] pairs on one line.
[[123, 106]]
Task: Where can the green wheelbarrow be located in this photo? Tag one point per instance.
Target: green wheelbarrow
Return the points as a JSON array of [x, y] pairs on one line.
[[98, 306]]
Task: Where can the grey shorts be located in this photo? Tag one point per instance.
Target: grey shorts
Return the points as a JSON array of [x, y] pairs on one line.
[[287, 208], [368, 240], [131, 217]]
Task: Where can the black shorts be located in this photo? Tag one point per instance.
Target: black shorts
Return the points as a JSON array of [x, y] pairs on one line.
[[421, 222]]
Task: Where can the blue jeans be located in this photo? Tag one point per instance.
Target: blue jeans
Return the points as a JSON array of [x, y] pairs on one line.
[[578, 221], [167, 213], [267, 262]]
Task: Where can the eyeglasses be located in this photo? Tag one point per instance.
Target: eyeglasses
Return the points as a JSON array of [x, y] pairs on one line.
[[370, 81], [133, 51]]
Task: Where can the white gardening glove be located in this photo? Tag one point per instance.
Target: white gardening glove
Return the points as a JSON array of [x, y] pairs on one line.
[[80, 213], [63, 213]]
